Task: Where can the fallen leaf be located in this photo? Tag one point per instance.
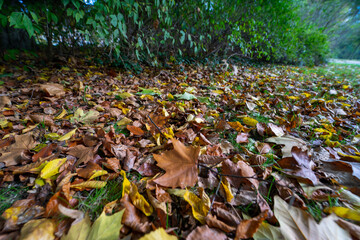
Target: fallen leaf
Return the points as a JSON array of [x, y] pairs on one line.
[[250, 121], [13, 155], [53, 89], [84, 154], [52, 168], [247, 228], [85, 117], [158, 234], [137, 199], [298, 224], [240, 169], [135, 130], [68, 135], [344, 212], [179, 164], [133, 217], [41, 229], [289, 142], [204, 232]]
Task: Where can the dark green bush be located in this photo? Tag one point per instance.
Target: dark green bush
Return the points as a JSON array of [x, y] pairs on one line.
[[158, 31]]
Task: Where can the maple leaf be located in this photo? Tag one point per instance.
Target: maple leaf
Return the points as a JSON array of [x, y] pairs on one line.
[[180, 165]]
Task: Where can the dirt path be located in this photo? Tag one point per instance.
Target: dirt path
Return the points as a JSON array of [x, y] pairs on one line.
[[346, 61]]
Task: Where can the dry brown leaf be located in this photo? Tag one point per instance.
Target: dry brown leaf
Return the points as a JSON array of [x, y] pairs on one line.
[[13, 154], [84, 154], [133, 217], [289, 142], [42, 118], [204, 232], [240, 169], [89, 170], [212, 221], [135, 130], [299, 166], [247, 228], [53, 89], [180, 165]]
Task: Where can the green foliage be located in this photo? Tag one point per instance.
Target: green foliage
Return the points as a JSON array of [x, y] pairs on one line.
[[155, 32]]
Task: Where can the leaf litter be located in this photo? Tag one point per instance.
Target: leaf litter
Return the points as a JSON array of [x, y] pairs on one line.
[[263, 153]]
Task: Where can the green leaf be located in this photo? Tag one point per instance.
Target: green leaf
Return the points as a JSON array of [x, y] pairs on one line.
[[69, 11], [114, 20], [65, 2], [185, 96], [76, 3], [34, 16], [1, 3], [106, 227], [149, 91], [28, 25], [78, 16], [54, 18], [15, 19]]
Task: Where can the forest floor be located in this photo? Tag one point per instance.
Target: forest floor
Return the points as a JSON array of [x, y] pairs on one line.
[[188, 152]]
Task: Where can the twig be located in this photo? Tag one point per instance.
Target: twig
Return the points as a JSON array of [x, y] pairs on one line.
[[216, 192], [32, 93], [157, 127]]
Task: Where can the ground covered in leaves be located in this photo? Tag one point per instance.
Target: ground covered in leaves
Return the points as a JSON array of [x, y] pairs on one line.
[[188, 152]]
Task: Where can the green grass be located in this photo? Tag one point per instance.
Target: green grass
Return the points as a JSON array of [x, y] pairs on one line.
[[339, 72], [10, 194], [94, 201]]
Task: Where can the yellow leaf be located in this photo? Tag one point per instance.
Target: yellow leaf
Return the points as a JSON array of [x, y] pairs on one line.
[[227, 189], [52, 168], [157, 235], [89, 184], [345, 86], [344, 212], [170, 96], [4, 123], [29, 128], [329, 127], [22, 106], [250, 121], [293, 97], [124, 95], [332, 143], [98, 173], [169, 134], [237, 126], [177, 192], [325, 134], [123, 122], [200, 206], [137, 199], [357, 158], [307, 95], [149, 97], [68, 135], [218, 91], [38, 229], [39, 182], [52, 136]]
